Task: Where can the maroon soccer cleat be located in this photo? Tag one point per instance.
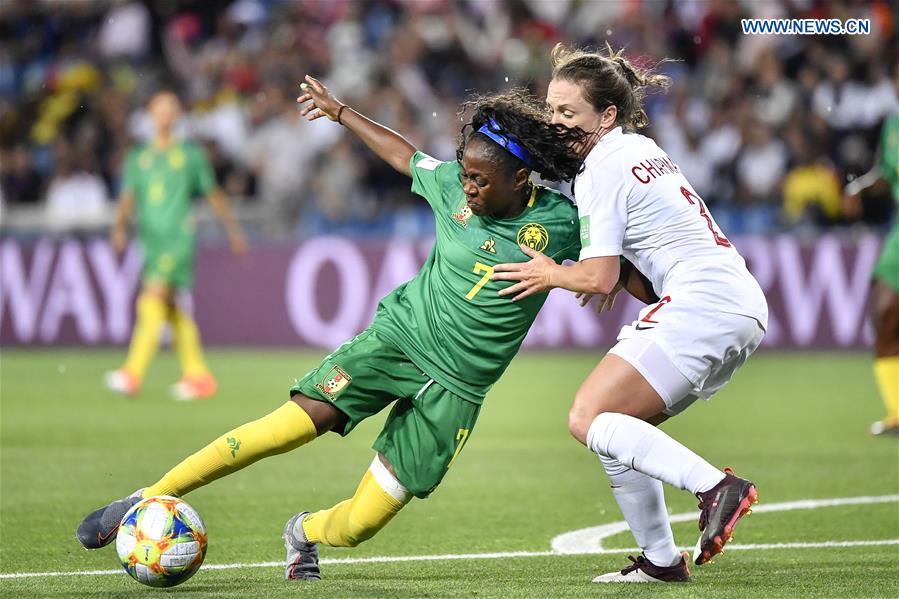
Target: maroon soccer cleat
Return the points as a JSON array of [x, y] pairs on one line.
[[722, 507], [643, 570]]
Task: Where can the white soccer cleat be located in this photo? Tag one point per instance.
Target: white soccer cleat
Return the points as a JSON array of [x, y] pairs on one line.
[[884, 428], [195, 387], [643, 570], [121, 381]]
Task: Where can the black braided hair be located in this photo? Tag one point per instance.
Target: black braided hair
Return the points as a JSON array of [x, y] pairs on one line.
[[521, 116]]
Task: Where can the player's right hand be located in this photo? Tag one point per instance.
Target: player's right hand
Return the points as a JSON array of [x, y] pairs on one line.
[[238, 244], [118, 239], [321, 102]]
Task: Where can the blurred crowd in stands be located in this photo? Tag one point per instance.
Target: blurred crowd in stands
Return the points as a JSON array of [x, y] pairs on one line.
[[767, 128]]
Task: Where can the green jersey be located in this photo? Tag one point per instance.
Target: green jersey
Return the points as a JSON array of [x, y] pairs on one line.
[[889, 153], [163, 183], [887, 267], [449, 319]]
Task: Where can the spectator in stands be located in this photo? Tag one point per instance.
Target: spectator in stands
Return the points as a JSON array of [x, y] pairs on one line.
[[812, 192], [280, 153], [88, 66], [775, 96], [77, 196], [760, 165], [20, 181]]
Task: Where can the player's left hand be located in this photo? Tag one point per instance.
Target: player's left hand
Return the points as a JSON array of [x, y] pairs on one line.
[[317, 100], [533, 276]]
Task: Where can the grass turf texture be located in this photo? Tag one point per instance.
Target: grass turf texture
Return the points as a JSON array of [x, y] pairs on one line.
[[795, 423]]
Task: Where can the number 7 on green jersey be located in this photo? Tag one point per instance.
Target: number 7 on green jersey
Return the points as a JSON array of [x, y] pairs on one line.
[[488, 272]]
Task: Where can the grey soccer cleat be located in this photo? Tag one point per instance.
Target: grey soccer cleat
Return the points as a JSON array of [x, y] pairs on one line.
[[99, 528], [302, 556]]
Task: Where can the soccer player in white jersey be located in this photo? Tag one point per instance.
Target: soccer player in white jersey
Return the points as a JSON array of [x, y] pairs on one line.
[[634, 202]]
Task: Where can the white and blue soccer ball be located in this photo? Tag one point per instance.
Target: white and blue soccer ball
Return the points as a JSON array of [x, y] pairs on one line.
[[161, 541]]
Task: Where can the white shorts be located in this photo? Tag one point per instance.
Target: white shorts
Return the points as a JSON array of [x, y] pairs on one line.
[[686, 352]]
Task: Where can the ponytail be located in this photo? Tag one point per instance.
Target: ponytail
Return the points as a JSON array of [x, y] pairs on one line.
[[608, 80]]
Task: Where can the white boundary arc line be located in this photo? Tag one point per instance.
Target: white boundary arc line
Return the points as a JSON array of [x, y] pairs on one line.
[[595, 537], [589, 540]]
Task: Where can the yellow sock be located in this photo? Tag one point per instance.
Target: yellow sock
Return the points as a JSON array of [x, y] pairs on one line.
[[354, 520], [286, 428], [187, 343], [151, 311], [886, 370]]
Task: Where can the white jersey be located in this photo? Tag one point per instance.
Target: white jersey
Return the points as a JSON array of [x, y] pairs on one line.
[[633, 201]]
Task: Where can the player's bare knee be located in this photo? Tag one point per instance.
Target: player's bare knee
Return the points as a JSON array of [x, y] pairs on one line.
[[584, 411], [579, 422], [324, 416], [159, 290], [383, 459]]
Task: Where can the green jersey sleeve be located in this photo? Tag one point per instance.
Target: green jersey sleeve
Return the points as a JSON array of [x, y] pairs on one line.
[[889, 153], [204, 176], [432, 177]]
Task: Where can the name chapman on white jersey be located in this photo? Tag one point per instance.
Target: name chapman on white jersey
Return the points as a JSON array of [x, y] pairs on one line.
[[634, 201]]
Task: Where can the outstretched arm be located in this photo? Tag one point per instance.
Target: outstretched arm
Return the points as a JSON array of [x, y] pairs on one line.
[[540, 274], [118, 237], [219, 204], [631, 280], [389, 145]]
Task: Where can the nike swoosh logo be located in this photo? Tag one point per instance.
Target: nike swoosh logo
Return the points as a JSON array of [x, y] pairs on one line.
[[639, 328], [103, 538]]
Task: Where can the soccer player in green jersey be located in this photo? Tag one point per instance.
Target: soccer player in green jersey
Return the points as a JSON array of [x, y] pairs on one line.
[[885, 284], [437, 343], [161, 178]]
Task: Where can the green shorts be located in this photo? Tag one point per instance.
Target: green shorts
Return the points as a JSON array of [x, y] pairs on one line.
[[887, 267], [172, 263], [428, 425]]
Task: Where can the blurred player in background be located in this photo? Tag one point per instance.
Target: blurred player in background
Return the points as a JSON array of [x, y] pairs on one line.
[[634, 201], [161, 178], [885, 282], [437, 344]]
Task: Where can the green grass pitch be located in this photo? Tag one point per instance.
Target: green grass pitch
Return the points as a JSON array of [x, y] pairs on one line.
[[793, 422]]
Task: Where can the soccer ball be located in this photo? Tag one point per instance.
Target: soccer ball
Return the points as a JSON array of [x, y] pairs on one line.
[[161, 541]]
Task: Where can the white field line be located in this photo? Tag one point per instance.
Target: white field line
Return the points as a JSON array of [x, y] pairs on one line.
[[589, 540], [595, 549], [468, 556]]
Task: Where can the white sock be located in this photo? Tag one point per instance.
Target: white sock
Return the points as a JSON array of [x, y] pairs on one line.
[[642, 502], [645, 448]]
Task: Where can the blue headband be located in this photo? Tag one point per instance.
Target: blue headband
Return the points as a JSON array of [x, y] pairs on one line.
[[492, 130]]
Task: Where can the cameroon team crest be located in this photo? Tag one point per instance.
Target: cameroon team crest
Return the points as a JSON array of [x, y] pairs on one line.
[[334, 382], [462, 215], [534, 236]]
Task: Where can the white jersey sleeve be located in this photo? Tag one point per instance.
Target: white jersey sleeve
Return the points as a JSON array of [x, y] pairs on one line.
[[602, 207]]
